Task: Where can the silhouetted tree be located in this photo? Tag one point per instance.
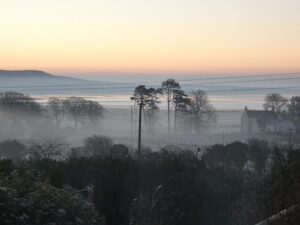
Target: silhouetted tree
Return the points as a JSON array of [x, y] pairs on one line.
[[275, 102], [181, 103], [200, 109], [75, 107], [237, 154], [27, 200], [119, 151], [168, 87], [151, 107], [215, 156], [20, 111], [139, 94], [149, 98], [94, 112], [19, 107], [294, 107], [258, 153], [57, 109], [231, 156], [50, 149], [98, 145]]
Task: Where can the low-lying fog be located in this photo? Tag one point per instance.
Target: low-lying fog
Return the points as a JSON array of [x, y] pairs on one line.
[[122, 126], [117, 120]]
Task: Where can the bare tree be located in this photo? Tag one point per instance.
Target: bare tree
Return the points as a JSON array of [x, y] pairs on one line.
[[75, 106], [98, 145], [57, 109], [181, 103], [94, 112], [20, 112], [168, 87], [50, 149], [294, 107], [200, 109], [18, 106], [275, 102]]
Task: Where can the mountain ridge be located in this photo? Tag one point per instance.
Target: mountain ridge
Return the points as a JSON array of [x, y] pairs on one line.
[[30, 74]]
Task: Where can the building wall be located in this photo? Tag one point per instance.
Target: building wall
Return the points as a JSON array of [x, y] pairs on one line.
[[244, 123], [286, 126], [254, 126]]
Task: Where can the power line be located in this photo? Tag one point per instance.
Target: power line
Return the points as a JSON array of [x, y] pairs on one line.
[[212, 83], [180, 80], [240, 76], [220, 77], [103, 101], [225, 90], [253, 89], [249, 81]]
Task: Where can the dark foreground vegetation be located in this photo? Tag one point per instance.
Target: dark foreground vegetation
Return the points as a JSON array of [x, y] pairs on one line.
[[233, 184]]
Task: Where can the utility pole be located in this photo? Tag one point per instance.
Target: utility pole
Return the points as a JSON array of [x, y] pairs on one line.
[[169, 100], [290, 139], [140, 127], [223, 137], [131, 125]]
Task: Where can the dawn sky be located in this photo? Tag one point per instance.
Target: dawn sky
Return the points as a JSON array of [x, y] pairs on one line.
[[157, 36]]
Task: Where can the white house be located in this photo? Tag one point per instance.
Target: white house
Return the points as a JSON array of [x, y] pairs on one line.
[[285, 126], [262, 121]]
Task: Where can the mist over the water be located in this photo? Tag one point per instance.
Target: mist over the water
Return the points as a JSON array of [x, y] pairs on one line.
[[224, 91], [227, 93]]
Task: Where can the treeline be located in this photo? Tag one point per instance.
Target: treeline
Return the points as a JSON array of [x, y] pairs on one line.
[[224, 184], [191, 111], [19, 112], [188, 112], [282, 105]]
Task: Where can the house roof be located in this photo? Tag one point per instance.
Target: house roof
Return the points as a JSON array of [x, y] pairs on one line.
[[260, 114]]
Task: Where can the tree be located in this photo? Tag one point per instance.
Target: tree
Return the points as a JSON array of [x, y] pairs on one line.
[[50, 149], [98, 145], [138, 97], [178, 188], [119, 151], [275, 102], [151, 107], [168, 87], [258, 153], [94, 112], [139, 94], [148, 97], [19, 111], [57, 109], [25, 199], [294, 107], [75, 106], [181, 103], [19, 107], [231, 156], [237, 154], [200, 109]]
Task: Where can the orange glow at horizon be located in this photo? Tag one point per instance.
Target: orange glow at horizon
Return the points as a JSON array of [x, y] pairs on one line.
[[151, 37]]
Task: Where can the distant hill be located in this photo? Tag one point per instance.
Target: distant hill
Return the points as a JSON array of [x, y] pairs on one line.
[[24, 74], [39, 82]]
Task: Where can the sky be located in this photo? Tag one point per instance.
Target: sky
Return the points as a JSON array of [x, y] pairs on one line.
[[156, 37]]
